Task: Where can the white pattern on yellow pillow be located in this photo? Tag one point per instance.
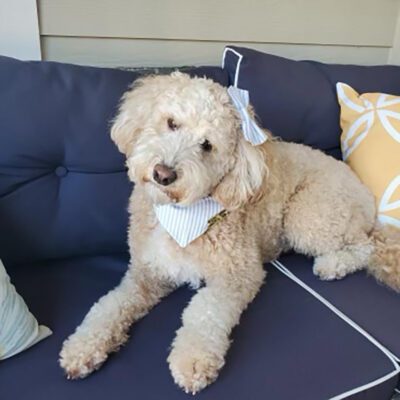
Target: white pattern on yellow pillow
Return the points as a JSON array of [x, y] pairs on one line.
[[370, 144]]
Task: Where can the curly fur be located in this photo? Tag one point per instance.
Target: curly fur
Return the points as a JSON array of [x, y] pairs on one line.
[[279, 196], [385, 261]]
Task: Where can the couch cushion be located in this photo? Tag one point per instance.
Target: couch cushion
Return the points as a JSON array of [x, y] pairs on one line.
[[288, 345], [296, 100], [369, 304], [63, 185]]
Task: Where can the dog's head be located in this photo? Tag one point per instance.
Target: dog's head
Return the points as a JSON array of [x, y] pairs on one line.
[[183, 141]]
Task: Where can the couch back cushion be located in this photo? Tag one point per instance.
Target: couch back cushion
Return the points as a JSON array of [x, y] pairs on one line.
[[63, 183], [297, 100]]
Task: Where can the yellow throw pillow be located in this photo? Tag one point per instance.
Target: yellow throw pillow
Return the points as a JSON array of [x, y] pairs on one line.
[[370, 144]]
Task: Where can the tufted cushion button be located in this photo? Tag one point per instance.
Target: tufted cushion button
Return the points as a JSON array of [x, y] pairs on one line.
[[61, 171]]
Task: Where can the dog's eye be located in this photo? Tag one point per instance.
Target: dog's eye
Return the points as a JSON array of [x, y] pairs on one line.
[[172, 124], [206, 146]]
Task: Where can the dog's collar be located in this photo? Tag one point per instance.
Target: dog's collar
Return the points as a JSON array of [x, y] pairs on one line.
[[186, 223]]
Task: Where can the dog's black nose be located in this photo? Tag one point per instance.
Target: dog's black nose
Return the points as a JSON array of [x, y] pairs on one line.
[[164, 175]]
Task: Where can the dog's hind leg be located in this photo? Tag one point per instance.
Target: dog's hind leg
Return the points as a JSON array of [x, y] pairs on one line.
[[334, 231], [105, 327], [338, 264]]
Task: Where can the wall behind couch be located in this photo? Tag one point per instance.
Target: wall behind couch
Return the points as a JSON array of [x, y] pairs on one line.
[[19, 30], [183, 32]]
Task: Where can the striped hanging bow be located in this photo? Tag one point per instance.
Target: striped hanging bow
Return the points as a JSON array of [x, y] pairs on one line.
[[251, 131]]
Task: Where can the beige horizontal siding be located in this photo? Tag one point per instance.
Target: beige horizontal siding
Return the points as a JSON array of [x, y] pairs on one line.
[[394, 55], [136, 53], [335, 22], [19, 31], [192, 32]]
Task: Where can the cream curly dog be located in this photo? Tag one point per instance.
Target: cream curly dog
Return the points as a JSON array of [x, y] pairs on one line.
[[183, 142]]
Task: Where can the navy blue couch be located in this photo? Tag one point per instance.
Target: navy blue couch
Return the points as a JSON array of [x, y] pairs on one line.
[[63, 201]]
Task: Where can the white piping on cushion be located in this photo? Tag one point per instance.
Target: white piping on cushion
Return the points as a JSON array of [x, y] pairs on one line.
[[291, 275], [240, 57], [280, 267]]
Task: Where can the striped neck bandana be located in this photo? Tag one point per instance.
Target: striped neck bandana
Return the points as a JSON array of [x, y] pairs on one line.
[[185, 224], [251, 131]]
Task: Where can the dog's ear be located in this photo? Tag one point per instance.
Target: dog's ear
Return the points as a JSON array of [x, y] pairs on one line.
[[123, 132], [244, 182], [133, 111]]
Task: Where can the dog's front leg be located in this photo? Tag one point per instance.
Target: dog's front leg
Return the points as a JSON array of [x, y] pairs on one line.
[[198, 351], [105, 327]]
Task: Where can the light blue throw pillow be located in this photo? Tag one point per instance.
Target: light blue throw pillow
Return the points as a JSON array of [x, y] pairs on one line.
[[18, 327]]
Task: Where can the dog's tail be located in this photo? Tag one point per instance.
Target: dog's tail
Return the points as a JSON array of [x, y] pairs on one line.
[[384, 263]]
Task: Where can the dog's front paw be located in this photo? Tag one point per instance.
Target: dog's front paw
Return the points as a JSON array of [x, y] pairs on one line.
[[193, 369], [81, 355]]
